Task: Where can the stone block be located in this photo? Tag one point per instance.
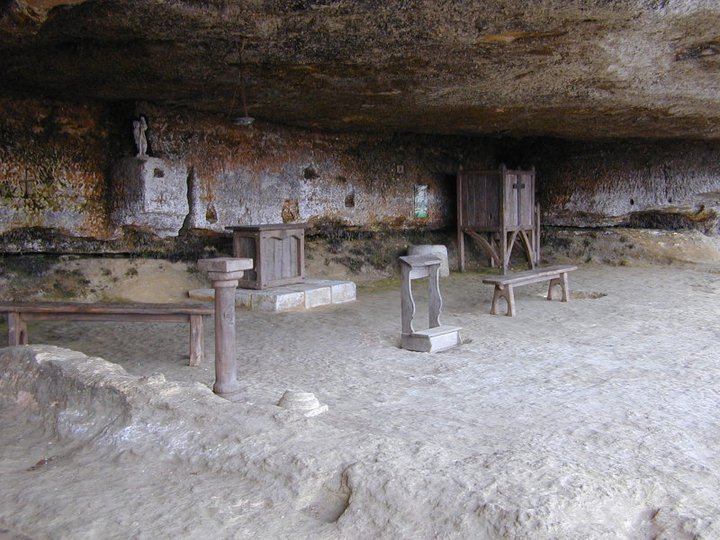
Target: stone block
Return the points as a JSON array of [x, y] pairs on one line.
[[278, 300], [317, 296], [343, 291], [306, 295], [340, 291], [432, 340], [438, 250], [150, 193], [243, 298]]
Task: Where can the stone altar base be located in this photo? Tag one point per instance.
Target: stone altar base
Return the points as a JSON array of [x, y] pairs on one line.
[[439, 338], [310, 294]]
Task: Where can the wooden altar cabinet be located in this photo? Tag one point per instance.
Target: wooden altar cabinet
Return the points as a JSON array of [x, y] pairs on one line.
[[497, 210], [278, 252]]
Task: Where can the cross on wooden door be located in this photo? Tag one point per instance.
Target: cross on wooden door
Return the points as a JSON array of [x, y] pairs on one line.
[[26, 195], [518, 186]]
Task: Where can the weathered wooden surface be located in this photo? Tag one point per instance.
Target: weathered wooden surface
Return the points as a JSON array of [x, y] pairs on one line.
[[278, 251], [497, 208], [18, 313], [556, 275]]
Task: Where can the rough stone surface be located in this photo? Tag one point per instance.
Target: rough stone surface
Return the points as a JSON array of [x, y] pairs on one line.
[[595, 419], [647, 184], [317, 295], [52, 167], [151, 193], [54, 158], [578, 69]]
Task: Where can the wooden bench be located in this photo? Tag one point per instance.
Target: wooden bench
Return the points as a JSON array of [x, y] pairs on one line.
[[557, 275], [18, 313]]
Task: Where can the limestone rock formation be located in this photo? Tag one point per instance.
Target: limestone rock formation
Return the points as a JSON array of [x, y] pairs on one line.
[[590, 69]]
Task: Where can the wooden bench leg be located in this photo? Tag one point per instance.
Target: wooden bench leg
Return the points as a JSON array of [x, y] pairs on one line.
[[562, 281], [505, 292], [196, 340], [17, 330]]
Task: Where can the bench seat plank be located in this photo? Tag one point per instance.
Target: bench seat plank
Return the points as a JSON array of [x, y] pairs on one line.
[[530, 276], [103, 316], [100, 309], [18, 313]]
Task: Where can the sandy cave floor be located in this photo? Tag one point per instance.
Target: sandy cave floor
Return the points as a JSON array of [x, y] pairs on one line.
[[591, 419]]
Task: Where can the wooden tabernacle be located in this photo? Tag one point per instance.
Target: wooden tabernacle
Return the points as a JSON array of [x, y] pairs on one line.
[[19, 313], [496, 208], [277, 249]]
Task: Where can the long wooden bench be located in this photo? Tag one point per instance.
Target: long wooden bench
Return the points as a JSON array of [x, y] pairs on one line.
[[557, 275], [19, 313]]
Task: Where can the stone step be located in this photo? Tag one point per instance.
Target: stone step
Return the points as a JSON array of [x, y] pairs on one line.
[[436, 339], [310, 294]]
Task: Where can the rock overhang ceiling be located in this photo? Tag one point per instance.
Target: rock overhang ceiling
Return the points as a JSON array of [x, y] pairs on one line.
[[572, 69]]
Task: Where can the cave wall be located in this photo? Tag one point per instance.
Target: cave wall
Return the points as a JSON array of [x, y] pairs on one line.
[[53, 160], [270, 174], [71, 169], [662, 184]]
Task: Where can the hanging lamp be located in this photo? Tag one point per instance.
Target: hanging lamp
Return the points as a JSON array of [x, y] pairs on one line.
[[245, 119]]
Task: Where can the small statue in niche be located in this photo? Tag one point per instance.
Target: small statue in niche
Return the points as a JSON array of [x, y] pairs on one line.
[[139, 129]]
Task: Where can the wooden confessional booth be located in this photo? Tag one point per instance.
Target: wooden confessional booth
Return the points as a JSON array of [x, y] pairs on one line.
[[497, 209]]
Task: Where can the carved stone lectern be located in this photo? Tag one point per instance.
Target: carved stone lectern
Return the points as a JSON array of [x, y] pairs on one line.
[[437, 337]]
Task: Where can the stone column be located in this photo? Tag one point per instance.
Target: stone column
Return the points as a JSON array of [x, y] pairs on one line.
[[224, 274]]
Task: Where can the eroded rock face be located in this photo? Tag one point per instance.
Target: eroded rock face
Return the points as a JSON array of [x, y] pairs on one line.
[[651, 184], [578, 69], [71, 170]]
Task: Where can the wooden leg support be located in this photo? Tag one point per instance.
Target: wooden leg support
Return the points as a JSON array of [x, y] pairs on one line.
[[506, 292], [196, 340], [562, 281], [17, 330]]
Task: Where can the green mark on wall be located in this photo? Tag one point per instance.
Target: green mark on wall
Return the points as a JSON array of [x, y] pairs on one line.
[[421, 201]]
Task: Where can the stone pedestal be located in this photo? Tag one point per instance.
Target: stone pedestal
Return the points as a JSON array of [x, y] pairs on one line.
[[437, 337], [224, 274]]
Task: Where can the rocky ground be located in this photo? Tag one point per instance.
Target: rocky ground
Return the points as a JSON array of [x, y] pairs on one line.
[[591, 419]]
